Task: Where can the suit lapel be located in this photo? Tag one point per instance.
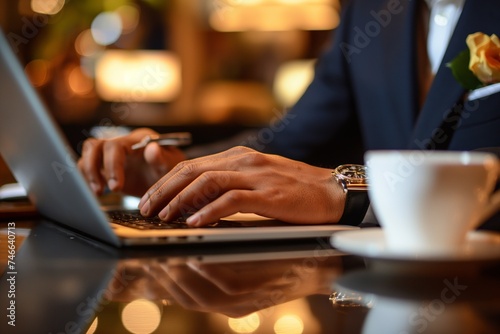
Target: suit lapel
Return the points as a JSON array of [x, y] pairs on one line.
[[445, 93]]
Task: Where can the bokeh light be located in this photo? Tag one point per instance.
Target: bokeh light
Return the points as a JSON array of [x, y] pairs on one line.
[[244, 325], [244, 2], [274, 16], [289, 324], [38, 72], [138, 76], [85, 44], [78, 82], [141, 316], [106, 28], [298, 2], [129, 16], [49, 7], [292, 79]]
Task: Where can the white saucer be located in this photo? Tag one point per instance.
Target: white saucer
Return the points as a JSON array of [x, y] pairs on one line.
[[370, 243]]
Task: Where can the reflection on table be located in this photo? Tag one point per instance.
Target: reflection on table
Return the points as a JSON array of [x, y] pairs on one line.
[[70, 285], [66, 284], [423, 300]]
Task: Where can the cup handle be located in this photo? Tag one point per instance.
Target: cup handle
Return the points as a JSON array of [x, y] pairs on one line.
[[493, 205], [491, 208]]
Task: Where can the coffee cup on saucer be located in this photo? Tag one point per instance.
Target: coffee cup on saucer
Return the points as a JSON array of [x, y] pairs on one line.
[[427, 201]]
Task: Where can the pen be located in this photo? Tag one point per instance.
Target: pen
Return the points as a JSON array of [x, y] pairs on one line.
[[167, 139]]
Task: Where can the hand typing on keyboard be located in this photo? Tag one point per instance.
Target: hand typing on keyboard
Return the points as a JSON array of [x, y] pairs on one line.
[[243, 180]]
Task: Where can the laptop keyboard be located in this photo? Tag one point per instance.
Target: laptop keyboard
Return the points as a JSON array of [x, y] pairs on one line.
[[134, 219]]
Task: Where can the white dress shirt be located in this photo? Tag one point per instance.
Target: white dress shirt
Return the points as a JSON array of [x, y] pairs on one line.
[[443, 18]]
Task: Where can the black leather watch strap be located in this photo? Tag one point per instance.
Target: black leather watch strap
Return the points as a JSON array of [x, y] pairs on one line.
[[356, 205], [353, 180]]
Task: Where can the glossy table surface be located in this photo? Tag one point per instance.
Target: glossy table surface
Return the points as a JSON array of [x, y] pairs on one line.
[[54, 282]]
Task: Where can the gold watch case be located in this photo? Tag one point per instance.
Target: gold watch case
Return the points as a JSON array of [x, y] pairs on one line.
[[351, 177]]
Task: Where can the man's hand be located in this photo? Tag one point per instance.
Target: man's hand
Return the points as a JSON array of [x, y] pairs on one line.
[[112, 163], [240, 288], [243, 180]]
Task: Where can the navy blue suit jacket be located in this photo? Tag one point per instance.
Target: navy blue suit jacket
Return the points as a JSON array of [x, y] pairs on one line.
[[365, 91]]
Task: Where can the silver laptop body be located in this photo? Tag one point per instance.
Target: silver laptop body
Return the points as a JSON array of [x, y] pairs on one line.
[[44, 164]]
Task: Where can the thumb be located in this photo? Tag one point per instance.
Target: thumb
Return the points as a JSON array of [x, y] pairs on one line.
[[162, 159]]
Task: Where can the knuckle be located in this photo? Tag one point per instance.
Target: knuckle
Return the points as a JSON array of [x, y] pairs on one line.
[[241, 149], [276, 195], [223, 179], [186, 169], [254, 159], [208, 177], [90, 144], [180, 166], [234, 197]]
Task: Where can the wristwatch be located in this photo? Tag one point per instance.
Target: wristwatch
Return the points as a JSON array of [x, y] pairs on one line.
[[354, 181]]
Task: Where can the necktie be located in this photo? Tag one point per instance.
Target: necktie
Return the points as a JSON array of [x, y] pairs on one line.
[[424, 69]]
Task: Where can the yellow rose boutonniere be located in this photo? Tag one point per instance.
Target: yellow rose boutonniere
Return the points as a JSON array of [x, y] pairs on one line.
[[480, 65]]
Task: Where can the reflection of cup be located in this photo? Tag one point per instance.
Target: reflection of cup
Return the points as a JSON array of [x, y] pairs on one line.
[[411, 316], [427, 201]]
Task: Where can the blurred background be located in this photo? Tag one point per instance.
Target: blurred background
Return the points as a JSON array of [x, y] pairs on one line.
[[212, 67]]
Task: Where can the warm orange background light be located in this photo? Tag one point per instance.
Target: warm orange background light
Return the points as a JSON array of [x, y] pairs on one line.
[[138, 76]]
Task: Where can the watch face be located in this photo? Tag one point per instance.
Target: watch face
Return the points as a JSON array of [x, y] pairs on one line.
[[352, 173]]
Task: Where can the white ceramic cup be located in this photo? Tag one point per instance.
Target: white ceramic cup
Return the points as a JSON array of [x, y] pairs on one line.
[[427, 201]]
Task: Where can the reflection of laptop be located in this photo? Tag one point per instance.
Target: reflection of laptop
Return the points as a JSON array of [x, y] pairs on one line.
[[44, 164]]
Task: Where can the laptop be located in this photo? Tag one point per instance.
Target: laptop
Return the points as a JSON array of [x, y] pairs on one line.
[[43, 162]]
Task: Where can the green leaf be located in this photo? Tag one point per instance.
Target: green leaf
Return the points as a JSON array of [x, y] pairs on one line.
[[460, 69]]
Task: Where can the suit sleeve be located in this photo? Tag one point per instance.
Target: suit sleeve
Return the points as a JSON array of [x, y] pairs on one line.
[[324, 118]]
